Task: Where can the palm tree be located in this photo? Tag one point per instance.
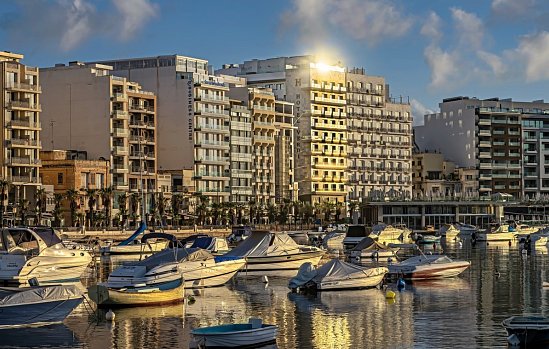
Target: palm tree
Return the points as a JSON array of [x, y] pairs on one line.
[[91, 194], [353, 205], [57, 199], [23, 208], [41, 197], [4, 186], [106, 198], [122, 207], [252, 206], [135, 199], [73, 197], [176, 204], [161, 204], [202, 208], [271, 213]]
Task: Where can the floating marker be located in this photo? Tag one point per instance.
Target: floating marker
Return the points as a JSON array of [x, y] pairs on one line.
[[110, 315]]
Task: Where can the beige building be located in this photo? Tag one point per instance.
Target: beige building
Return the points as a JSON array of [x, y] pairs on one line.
[[285, 185], [21, 112], [380, 139], [242, 169], [71, 170], [435, 177], [108, 116], [193, 117], [318, 92]]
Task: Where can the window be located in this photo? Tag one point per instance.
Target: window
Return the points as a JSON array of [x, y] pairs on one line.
[[60, 178]]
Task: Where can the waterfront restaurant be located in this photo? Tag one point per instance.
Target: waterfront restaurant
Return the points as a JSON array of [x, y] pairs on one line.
[[417, 215]]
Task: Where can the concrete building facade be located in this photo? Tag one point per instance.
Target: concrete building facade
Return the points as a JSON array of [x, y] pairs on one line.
[[242, 168], [21, 120], [380, 139], [107, 116], [487, 135]]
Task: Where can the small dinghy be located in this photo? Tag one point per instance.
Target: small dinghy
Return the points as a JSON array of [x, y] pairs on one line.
[[527, 330], [337, 275], [252, 334], [37, 306], [426, 267]]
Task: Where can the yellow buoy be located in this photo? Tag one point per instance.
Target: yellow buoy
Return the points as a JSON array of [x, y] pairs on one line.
[[390, 295]]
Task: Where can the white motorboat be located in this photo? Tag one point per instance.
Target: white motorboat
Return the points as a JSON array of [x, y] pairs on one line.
[[426, 267], [270, 253], [212, 244], [252, 334], [388, 234], [368, 248], [499, 232], [198, 267], [39, 254], [337, 275], [133, 246], [37, 306], [449, 231]]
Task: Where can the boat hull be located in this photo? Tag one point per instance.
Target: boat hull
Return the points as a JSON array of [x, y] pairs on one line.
[[495, 237], [527, 332], [237, 339], [348, 284], [149, 247], [103, 296], [431, 271], [212, 276], [272, 265], [37, 314]]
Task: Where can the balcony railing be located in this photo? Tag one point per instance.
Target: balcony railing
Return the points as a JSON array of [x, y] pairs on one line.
[[24, 179], [24, 161], [24, 105], [24, 142], [23, 86]]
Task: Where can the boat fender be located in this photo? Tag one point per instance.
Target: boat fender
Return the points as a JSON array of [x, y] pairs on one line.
[[191, 300], [110, 315], [401, 284], [390, 295], [265, 279], [460, 244], [513, 340]]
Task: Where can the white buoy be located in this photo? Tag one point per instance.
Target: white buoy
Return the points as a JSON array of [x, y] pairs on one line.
[[265, 279], [460, 243], [110, 315]]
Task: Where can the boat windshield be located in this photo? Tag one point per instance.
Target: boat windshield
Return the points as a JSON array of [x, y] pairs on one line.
[[48, 235]]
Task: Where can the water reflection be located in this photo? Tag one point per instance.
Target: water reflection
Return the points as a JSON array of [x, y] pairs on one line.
[[58, 336]]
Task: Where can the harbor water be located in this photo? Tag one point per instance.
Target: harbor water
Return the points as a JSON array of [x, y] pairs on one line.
[[464, 312]]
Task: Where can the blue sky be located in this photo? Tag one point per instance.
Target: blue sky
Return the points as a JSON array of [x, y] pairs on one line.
[[427, 50]]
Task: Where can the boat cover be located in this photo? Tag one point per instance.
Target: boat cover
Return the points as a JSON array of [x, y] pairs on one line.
[[334, 270], [334, 239], [265, 243], [174, 255], [204, 242], [41, 294], [369, 244]]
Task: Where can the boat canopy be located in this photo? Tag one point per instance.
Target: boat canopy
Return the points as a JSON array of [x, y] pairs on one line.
[[174, 255], [41, 294], [426, 259], [333, 270], [369, 244], [24, 240], [265, 243], [171, 238], [139, 231]]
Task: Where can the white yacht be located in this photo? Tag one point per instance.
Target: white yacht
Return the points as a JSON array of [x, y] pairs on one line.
[[500, 232], [388, 234], [426, 267], [465, 229], [39, 254]]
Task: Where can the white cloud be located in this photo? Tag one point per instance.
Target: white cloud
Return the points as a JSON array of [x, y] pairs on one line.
[[512, 8], [431, 27], [135, 14], [469, 29], [418, 111], [368, 20], [533, 54], [496, 63], [66, 24]]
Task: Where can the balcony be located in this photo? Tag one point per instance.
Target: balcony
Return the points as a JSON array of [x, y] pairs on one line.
[[211, 174], [212, 144], [24, 180], [484, 155], [207, 97], [24, 105], [263, 139], [263, 124], [485, 122], [257, 107], [119, 97], [213, 159], [329, 88], [120, 185], [212, 112], [329, 165], [484, 144], [140, 108], [120, 150], [24, 124], [329, 114], [23, 143], [141, 124], [120, 168], [23, 161], [212, 128], [26, 87], [329, 126], [334, 101], [119, 115], [120, 132]]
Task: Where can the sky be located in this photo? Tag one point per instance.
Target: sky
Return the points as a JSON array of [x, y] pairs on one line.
[[426, 50]]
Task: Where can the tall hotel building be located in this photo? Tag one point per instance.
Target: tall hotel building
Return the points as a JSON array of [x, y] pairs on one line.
[[380, 139], [21, 110], [193, 117], [352, 141], [318, 93], [86, 108], [506, 141]]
